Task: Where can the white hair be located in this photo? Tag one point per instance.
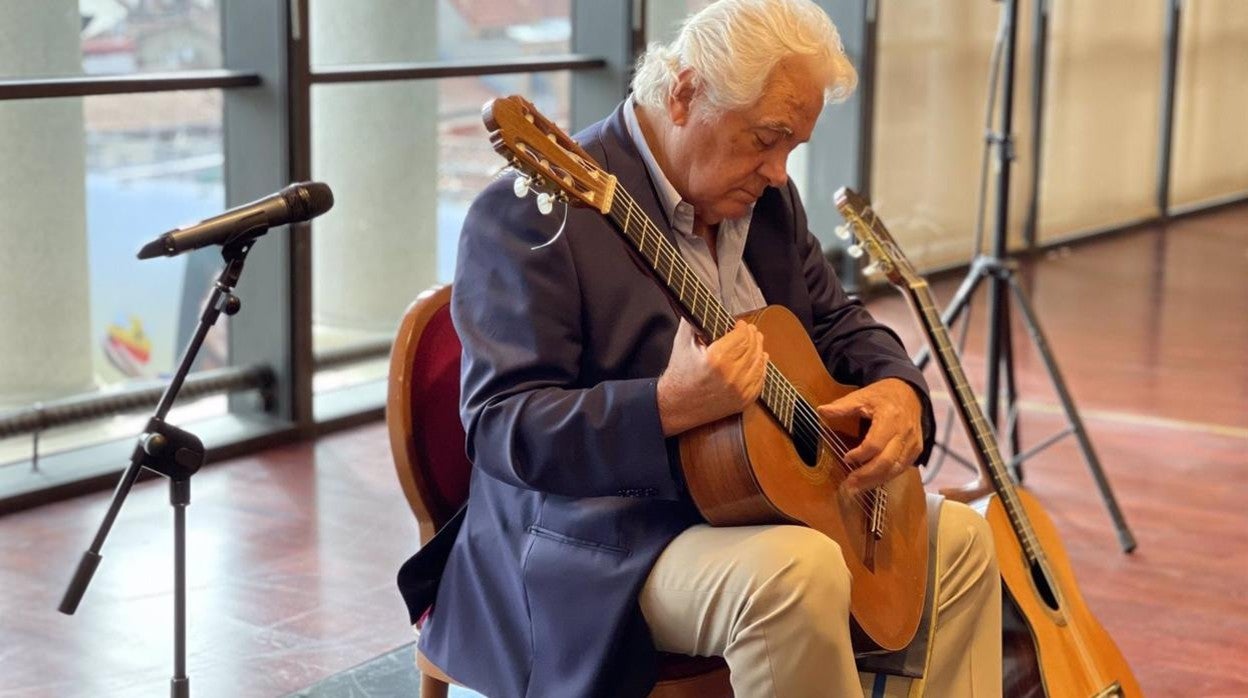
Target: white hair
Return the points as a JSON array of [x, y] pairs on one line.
[[732, 47]]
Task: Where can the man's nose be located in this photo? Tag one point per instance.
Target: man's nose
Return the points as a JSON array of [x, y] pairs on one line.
[[774, 169]]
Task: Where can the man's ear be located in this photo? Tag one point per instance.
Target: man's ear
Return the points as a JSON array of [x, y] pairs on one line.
[[680, 98]]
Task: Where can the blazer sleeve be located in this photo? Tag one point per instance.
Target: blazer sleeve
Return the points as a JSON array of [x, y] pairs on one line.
[[529, 422], [857, 349]]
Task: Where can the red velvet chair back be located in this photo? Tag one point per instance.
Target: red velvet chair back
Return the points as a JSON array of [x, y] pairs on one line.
[[422, 411]]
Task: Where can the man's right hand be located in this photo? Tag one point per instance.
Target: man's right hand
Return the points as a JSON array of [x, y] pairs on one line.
[[703, 383]]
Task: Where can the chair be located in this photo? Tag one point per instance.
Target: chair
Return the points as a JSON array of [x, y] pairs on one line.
[[427, 441]]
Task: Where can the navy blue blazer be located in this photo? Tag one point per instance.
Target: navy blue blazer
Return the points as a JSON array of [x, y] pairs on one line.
[[574, 490]]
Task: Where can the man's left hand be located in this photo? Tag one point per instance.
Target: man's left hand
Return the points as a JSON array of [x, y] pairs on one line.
[[894, 439]]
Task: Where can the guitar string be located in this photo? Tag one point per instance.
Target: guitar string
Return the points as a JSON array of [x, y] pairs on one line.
[[804, 415]]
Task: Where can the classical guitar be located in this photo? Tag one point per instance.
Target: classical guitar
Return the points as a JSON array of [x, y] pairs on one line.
[[776, 462], [1054, 645]]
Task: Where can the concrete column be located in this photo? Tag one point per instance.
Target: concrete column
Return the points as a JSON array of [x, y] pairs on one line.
[[376, 145], [45, 328]]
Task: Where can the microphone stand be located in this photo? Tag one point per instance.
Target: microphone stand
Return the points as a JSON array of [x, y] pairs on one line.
[[176, 454]]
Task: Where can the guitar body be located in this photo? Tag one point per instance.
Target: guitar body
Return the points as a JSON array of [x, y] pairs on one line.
[[746, 470], [1073, 654]]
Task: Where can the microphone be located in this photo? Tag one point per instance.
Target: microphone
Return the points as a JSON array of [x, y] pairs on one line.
[[296, 203]]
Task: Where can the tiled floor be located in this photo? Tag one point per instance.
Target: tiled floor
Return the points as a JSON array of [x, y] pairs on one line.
[[293, 551]]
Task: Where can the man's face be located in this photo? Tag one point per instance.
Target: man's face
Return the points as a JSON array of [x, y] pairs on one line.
[[723, 160]]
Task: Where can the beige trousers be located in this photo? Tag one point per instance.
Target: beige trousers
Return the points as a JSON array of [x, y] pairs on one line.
[[774, 602]]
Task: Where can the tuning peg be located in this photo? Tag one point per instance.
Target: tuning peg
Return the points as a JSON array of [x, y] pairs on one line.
[[520, 187], [854, 251], [871, 269], [842, 231], [545, 203]]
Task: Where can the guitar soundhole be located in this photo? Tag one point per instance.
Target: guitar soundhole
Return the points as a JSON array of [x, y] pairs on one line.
[[807, 445], [1041, 580]]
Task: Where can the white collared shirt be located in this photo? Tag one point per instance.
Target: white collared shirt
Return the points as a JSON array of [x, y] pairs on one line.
[[730, 280]]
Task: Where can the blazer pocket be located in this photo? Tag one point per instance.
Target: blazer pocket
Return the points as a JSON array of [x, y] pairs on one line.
[[548, 534]]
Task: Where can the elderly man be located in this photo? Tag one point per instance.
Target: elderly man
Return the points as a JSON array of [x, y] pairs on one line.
[[581, 553]]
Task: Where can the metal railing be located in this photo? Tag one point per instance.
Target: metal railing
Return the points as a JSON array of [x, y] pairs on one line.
[[352, 354], [78, 409], [95, 85], [383, 72]]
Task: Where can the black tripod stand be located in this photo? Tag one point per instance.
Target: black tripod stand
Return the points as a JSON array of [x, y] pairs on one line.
[[1003, 285], [176, 454]]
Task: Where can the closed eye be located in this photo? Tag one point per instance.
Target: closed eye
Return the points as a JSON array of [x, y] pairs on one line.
[[769, 135], [766, 139]]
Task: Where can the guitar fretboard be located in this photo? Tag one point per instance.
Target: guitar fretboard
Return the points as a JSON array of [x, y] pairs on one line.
[[920, 297]]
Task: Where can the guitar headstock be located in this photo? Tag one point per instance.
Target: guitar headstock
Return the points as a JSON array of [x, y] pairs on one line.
[[552, 162], [873, 238]]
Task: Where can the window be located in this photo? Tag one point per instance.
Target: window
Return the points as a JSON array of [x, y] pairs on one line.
[[85, 181]]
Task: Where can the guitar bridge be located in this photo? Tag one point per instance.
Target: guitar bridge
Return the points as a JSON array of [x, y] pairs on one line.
[[878, 499], [875, 526], [1114, 690]]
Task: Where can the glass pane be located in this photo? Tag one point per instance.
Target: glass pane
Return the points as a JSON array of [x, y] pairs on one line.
[[663, 19], [74, 37], [344, 33], [85, 183], [930, 100], [1101, 115], [405, 161], [1211, 99]]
